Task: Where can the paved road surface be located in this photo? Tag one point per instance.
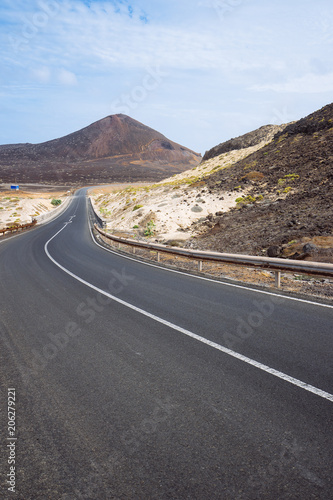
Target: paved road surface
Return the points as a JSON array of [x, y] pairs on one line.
[[136, 382]]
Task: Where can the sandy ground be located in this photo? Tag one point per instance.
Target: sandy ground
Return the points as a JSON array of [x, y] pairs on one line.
[[173, 204], [21, 206]]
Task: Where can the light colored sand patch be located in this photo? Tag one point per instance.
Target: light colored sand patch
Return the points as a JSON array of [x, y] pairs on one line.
[[20, 208], [172, 204], [117, 186], [172, 212]]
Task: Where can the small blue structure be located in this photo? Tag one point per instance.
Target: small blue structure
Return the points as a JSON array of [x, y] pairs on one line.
[[14, 187]]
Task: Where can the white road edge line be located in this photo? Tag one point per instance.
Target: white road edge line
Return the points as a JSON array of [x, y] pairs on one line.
[[234, 285], [245, 359]]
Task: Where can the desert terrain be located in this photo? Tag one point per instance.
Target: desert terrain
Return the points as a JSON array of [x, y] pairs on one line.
[[272, 197], [266, 193], [20, 207]]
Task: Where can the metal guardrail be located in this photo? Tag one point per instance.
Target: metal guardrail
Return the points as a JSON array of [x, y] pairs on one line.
[[17, 227], [268, 263], [93, 215]]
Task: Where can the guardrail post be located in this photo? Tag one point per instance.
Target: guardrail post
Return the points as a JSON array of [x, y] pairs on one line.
[[133, 249], [158, 256], [278, 279], [284, 265]]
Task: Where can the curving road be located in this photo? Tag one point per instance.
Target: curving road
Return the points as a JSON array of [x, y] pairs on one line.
[[137, 382]]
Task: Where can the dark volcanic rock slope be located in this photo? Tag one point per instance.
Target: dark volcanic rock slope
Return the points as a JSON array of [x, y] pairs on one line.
[[289, 185], [114, 149], [243, 141]]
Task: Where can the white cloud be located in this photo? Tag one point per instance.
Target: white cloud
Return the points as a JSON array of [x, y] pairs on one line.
[[42, 74], [66, 77], [213, 64], [106, 37], [306, 84], [45, 75]]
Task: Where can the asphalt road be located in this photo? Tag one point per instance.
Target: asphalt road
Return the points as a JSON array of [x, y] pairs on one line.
[[136, 382]]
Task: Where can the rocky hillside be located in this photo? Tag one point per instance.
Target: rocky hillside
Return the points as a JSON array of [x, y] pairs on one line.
[[274, 196], [265, 133], [173, 204], [115, 149], [287, 193]]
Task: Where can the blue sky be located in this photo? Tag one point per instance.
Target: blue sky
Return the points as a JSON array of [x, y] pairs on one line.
[[199, 71]]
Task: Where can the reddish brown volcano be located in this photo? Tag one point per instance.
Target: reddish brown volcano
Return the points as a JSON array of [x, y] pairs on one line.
[[114, 149]]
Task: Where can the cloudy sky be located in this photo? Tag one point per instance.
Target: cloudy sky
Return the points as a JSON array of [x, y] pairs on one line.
[[199, 71]]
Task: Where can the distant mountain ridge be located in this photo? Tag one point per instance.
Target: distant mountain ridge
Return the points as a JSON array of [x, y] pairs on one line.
[[114, 149], [253, 138]]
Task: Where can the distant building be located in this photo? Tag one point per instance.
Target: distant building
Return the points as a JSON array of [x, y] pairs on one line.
[[14, 187]]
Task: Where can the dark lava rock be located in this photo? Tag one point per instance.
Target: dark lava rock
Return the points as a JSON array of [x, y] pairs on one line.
[[273, 251], [310, 248]]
